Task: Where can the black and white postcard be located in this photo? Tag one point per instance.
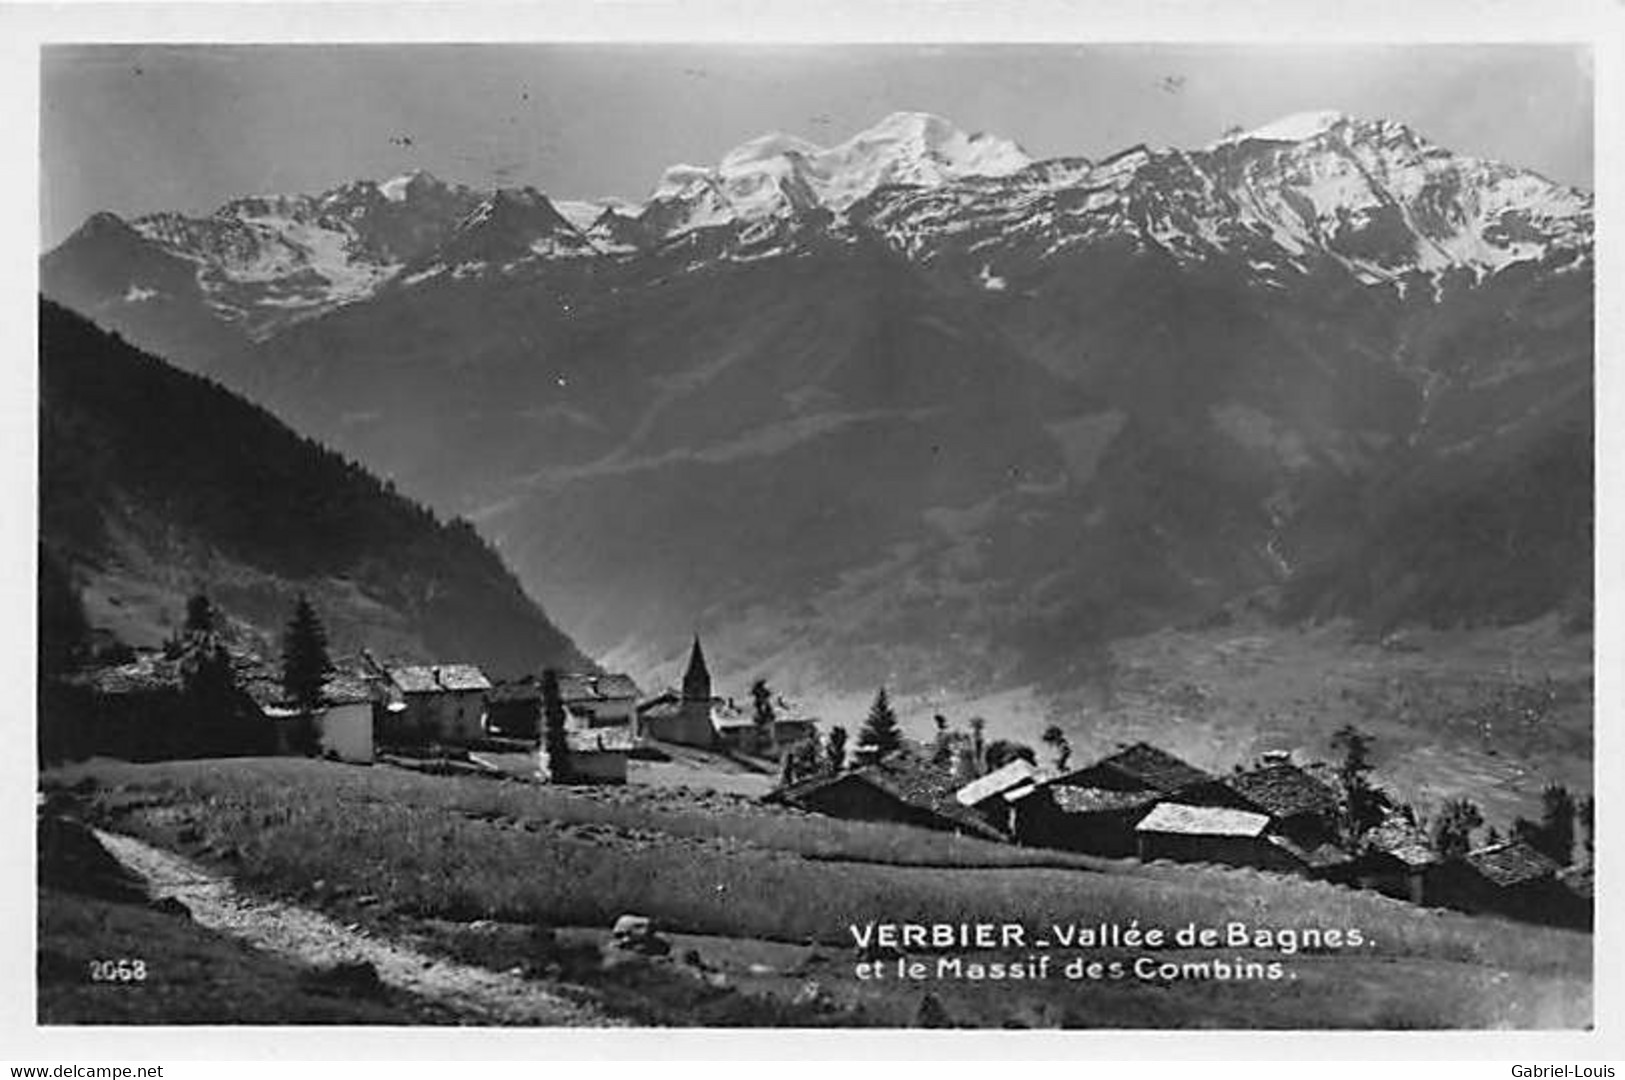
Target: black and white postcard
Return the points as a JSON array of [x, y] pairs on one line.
[[946, 529]]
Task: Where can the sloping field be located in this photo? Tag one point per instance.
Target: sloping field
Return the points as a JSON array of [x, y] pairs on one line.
[[384, 846]]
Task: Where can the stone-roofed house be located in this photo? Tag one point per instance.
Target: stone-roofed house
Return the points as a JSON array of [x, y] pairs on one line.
[[1094, 809], [1304, 810], [598, 755], [442, 703], [901, 789], [986, 794], [1395, 859], [1140, 767], [1212, 834], [1509, 878], [513, 708], [595, 701]]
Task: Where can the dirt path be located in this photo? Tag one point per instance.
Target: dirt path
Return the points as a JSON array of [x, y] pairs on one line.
[[302, 935]]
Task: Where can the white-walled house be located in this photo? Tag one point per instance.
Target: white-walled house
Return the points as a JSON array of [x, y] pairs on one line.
[[345, 726]]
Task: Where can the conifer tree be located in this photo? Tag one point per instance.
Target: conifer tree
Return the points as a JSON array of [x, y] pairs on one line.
[[1556, 832], [1453, 832], [880, 734], [837, 749], [305, 663], [554, 739]]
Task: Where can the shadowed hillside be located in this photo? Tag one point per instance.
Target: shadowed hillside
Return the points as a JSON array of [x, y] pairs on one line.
[[155, 483]]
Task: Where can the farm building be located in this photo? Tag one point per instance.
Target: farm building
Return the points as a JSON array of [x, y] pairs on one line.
[[1395, 859], [682, 716], [793, 731], [443, 703], [597, 756], [345, 726], [1095, 809], [1510, 878], [514, 708], [596, 701], [1304, 809], [1139, 768], [899, 789], [1212, 834], [142, 711], [987, 795]]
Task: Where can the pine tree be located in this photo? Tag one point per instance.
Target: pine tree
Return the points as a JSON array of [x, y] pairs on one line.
[[837, 750], [1362, 803], [305, 664], [880, 735], [1557, 824], [1453, 832], [942, 747], [978, 746], [554, 740]]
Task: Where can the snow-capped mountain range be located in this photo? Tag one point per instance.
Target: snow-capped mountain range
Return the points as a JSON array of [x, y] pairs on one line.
[[919, 399], [1371, 195]]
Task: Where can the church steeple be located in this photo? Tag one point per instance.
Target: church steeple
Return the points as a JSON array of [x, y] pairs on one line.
[[697, 680]]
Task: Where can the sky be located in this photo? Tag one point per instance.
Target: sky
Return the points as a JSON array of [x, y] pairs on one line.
[[134, 129]]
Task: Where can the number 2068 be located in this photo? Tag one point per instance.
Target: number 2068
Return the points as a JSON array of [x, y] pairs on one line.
[[118, 971]]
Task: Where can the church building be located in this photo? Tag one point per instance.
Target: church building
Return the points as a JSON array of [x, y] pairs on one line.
[[682, 717]]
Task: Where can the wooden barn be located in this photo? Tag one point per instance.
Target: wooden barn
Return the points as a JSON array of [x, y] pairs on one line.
[[987, 795], [1395, 859], [513, 708], [1303, 809], [1095, 809], [1212, 834], [1510, 878], [900, 789]]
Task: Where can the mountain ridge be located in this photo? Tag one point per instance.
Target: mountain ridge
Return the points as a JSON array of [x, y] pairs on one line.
[[966, 430]]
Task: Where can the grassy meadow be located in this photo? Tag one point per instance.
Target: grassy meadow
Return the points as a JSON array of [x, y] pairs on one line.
[[380, 844]]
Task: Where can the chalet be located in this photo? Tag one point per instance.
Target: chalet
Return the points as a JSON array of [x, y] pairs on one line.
[[899, 789], [598, 701], [791, 731], [986, 795], [140, 711], [1095, 809], [1303, 809], [513, 708], [1212, 834], [738, 730], [442, 703], [1510, 878], [682, 716], [1395, 859], [598, 755]]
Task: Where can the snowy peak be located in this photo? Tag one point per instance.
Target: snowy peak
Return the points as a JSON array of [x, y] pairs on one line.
[[1298, 127], [513, 223], [784, 176]]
